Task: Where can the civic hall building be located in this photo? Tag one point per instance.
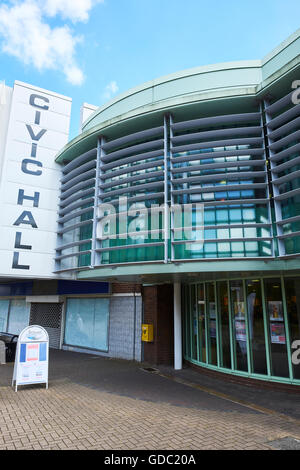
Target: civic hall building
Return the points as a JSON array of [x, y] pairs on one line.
[[168, 230]]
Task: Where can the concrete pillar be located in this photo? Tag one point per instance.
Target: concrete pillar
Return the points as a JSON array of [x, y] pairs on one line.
[[177, 327]]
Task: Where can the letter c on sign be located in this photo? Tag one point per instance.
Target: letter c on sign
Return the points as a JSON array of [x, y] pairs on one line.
[[33, 98], [28, 161]]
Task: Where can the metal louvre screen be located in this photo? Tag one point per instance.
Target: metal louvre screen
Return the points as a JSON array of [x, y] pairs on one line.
[[48, 315]]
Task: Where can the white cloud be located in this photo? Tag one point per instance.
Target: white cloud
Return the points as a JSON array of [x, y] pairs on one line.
[[27, 36], [110, 90], [75, 10]]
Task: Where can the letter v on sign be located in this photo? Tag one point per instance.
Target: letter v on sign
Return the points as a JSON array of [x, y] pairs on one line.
[[33, 135]]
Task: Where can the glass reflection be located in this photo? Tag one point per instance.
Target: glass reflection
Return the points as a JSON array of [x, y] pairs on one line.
[[201, 322], [250, 330], [194, 323], [212, 323], [256, 326], [239, 324], [224, 324], [274, 306]]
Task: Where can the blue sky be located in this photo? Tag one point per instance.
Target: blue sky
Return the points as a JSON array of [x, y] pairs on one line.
[[91, 50]]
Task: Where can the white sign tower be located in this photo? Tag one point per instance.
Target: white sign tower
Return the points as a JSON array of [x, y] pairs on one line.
[[30, 181]]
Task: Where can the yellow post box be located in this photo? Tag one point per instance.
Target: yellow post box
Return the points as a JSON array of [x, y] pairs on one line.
[[147, 333]]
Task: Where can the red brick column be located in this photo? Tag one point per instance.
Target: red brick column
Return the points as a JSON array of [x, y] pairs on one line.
[[125, 288], [158, 310]]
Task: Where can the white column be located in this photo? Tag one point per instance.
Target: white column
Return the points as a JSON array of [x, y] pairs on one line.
[[177, 327]]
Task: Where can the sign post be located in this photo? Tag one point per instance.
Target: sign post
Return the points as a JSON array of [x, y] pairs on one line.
[[32, 357]]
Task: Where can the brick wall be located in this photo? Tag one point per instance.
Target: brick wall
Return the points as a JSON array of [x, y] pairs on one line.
[[125, 288], [158, 310]]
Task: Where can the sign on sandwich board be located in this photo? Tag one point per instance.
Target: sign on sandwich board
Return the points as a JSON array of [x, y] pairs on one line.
[[32, 357]]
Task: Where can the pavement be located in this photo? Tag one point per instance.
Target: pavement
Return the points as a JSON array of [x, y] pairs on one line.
[[110, 404]]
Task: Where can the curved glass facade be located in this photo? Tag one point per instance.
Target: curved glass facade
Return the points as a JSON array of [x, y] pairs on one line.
[[247, 327], [195, 177], [241, 169]]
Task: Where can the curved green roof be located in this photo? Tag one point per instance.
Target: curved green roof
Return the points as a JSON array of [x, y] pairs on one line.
[[181, 89]]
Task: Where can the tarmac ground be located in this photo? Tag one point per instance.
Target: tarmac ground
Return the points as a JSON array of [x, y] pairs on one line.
[[109, 404]]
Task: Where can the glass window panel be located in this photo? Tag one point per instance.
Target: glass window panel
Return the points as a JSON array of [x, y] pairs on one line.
[[236, 233], [210, 216], [249, 215], [238, 247], [210, 234], [18, 316], [224, 324], [101, 324], [235, 215], [220, 195], [265, 232], [223, 233], [224, 248], [256, 326], [251, 246], [187, 330], [222, 215], [201, 322], [194, 322], [239, 324], [277, 332], [4, 306], [212, 323], [87, 323], [250, 232], [210, 248], [247, 193], [292, 289]]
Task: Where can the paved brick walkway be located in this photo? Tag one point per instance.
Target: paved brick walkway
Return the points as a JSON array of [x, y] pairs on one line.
[[73, 415]]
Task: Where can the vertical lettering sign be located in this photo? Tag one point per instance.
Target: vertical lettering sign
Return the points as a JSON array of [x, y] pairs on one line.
[[26, 217], [38, 129]]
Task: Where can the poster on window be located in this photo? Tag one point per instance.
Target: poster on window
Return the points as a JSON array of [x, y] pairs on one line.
[[277, 333], [239, 309], [275, 310], [240, 331], [213, 329], [212, 310]]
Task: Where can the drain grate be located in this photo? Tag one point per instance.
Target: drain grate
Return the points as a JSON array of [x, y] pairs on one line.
[[286, 443], [150, 369]]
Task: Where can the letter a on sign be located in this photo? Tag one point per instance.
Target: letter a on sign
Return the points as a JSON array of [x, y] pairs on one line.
[[32, 357]]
